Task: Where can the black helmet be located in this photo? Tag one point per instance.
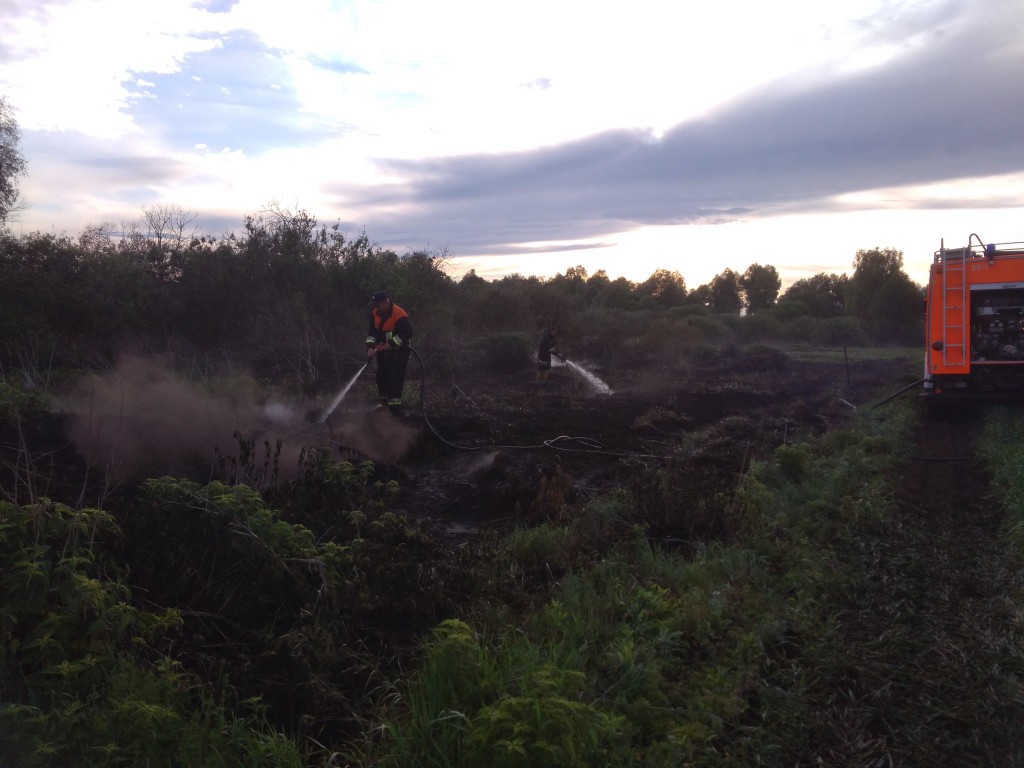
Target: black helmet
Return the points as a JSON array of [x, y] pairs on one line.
[[378, 297]]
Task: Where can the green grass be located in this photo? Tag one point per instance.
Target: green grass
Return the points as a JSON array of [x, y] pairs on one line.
[[818, 354], [827, 623], [1002, 446], [648, 657]]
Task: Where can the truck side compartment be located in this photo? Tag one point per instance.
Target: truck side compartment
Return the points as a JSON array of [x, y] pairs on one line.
[[974, 319]]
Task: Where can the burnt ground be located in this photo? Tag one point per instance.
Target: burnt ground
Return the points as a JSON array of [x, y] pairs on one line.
[[934, 674], [932, 638], [505, 449], [482, 450]]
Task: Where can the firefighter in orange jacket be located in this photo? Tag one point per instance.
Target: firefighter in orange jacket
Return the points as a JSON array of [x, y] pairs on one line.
[[388, 340]]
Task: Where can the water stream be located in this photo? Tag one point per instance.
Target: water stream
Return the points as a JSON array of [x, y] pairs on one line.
[[596, 383], [341, 395]]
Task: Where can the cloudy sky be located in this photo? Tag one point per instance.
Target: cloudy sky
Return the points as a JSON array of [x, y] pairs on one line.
[[535, 135]]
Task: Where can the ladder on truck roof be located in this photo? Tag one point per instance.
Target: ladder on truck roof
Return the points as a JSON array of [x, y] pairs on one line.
[[954, 305]]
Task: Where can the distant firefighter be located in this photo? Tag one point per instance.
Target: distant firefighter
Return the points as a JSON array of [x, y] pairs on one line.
[[545, 348], [387, 340]]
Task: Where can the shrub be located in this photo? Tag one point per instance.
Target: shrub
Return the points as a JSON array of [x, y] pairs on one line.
[[793, 461], [802, 329], [503, 352], [16, 400], [81, 679], [713, 328], [758, 327], [841, 331]]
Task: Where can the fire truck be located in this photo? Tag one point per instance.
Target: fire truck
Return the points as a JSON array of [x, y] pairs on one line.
[[974, 320]]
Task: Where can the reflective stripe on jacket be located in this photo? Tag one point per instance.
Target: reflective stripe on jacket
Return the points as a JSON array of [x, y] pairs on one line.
[[394, 328]]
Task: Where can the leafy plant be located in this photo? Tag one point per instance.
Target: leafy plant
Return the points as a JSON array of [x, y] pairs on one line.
[[83, 680]]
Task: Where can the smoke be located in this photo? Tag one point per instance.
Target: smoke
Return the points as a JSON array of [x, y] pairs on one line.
[[376, 434], [144, 420], [479, 465]]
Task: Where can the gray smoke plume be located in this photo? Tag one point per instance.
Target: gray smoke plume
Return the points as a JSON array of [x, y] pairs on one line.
[[144, 420]]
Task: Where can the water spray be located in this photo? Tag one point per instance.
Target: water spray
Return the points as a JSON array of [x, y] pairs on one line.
[[594, 381], [341, 395]]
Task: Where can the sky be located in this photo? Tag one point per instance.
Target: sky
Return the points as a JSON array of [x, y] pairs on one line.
[[537, 135]]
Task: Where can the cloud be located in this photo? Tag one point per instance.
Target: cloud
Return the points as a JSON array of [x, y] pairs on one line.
[[525, 128], [216, 6], [946, 111], [223, 97]]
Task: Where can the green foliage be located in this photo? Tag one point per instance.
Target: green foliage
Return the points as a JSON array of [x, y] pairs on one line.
[[793, 461], [667, 288], [823, 295], [82, 680], [759, 327], [728, 656], [503, 352], [544, 727], [1002, 446], [16, 401], [840, 331], [685, 497], [724, 294], [287, 299], [12, 163], [760, 285], [883, 298]]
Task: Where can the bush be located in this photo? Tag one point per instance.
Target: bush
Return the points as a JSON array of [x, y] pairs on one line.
[[81, 679], [713, 329], [803, 329], [841, 331], [791, 309], [758, 327], [503, 352], [15, 400], [687, 310]]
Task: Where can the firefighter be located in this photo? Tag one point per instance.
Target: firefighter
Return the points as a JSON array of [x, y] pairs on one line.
[[545, 348], [387, 340]]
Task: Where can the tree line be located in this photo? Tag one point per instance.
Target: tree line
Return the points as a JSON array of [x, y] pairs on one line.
[[286, 299]]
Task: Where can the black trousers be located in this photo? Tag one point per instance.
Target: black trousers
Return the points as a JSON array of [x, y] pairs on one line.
[[391, 366]]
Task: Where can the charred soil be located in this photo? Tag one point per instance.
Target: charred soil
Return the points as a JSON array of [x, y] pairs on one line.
[[504, 450]]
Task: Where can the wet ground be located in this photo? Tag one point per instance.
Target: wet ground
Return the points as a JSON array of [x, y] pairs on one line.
[[471, 451], [502, 450]]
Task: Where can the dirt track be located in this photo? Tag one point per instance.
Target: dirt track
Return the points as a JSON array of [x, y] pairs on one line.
[[935, 637]]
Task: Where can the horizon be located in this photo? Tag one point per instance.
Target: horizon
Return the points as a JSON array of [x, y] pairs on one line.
[[528, 138]]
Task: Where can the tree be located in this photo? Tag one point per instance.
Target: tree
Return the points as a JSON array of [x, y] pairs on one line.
[[471, 283], [823, 294], [725, 293], [882, 297], [700, 295], [12, 164], [619, 293], [760, 286], [167, 222], [572, 285], [667, 288]]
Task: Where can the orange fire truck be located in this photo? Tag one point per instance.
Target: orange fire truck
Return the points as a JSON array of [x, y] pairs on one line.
[[974, 319]]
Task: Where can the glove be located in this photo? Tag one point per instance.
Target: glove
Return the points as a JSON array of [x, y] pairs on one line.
[[370, 352], [382, 347]]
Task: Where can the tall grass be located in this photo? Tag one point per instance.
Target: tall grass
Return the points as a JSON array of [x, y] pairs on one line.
[[1002, 446], [648, 657]]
